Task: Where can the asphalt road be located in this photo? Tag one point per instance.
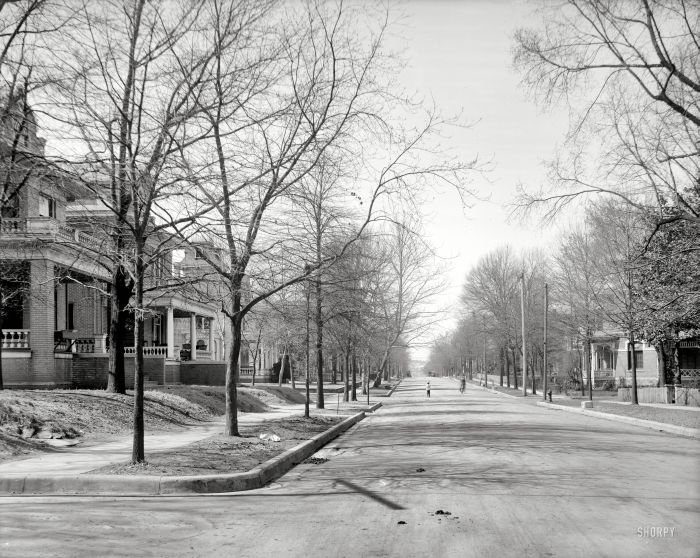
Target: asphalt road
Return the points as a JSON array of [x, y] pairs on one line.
[[511, 479]]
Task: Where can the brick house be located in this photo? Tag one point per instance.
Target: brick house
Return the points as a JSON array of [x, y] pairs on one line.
[[55, 281]]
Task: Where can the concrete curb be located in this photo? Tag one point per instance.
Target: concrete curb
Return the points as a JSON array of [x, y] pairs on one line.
[[154, 485], [491, 390], [653, 425], [392, 390], [374, 407]]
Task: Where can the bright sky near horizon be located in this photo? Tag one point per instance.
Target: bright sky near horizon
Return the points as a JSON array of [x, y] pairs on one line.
[[459, 54]]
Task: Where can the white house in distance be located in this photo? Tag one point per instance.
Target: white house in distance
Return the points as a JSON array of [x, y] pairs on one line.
[[611, 359]]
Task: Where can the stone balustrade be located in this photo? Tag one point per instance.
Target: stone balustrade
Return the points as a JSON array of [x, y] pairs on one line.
[[15, 339], [13, 226], [45, 226], [84, 345], [148, 351]]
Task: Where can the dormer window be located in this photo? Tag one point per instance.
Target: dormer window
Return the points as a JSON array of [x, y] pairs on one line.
[[47, 206]]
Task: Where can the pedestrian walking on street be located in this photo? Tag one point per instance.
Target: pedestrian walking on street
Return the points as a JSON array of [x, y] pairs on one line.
[[427, 388], [462, 384]]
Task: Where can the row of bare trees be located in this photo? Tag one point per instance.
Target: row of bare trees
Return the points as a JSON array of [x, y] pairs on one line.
[[273, 131], [358, 317], [605, 278]]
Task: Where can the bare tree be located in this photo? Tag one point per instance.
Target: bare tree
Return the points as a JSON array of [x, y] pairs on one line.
[[629, 72], [404, 288], [317, 90], [130, 95], [577, 287], [490, 289]]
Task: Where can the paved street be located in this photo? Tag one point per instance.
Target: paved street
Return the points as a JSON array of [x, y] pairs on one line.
[[512, 479]]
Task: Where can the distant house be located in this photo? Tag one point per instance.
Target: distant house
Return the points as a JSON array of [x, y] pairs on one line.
[[611, 360]]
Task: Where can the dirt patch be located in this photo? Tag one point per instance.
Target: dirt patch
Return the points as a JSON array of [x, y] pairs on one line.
[[213, 398], [280, 394], [223, 454], [29, 418]]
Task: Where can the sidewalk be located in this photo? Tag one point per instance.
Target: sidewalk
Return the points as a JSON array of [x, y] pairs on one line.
[[64, 470], [562, 402]]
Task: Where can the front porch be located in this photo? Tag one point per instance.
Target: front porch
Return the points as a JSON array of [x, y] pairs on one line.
[[62, 317]]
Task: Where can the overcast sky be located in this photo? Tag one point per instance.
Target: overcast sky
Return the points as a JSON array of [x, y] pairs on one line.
[[459, 53]]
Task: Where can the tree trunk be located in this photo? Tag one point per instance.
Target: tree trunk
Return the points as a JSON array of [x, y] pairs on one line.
[[587, 363], [501, 358], [346, 377], [661, 364], [283, 365], [320, 402], [255, 363], [232, 368], [505, 354], [353, 388], [633, 359], [137, 451], [515, 367], [675, 364], [121, 292], [334, 369]]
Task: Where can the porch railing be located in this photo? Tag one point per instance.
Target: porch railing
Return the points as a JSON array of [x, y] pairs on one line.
[[44, 226], [13, 226], [148, 351], [15, 338]]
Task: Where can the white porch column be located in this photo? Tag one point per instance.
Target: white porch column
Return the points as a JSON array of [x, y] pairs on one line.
[[170, 332], [193, 336], [211, 339]]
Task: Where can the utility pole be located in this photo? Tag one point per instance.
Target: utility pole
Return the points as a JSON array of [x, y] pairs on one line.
[[483, 355], [544, 347], [522, 316]]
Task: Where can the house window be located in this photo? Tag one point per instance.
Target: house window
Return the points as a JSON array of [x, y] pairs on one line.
[[47, 206], [198, 254], [10, 205], [159, 268], [639, 357], [70, 316]]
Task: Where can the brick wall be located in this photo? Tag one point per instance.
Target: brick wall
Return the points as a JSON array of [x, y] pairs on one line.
[[203, 373], [15, 371], [213, 373], [41, 318], [90, 371]]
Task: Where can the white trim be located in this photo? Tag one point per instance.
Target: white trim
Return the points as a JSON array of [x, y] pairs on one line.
[[11, 353]]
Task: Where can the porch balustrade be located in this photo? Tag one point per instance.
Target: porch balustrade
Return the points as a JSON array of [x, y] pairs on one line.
[[148, 351], [690, 372], [43, 226], [15, 339], [84, 345], [13, 226]]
